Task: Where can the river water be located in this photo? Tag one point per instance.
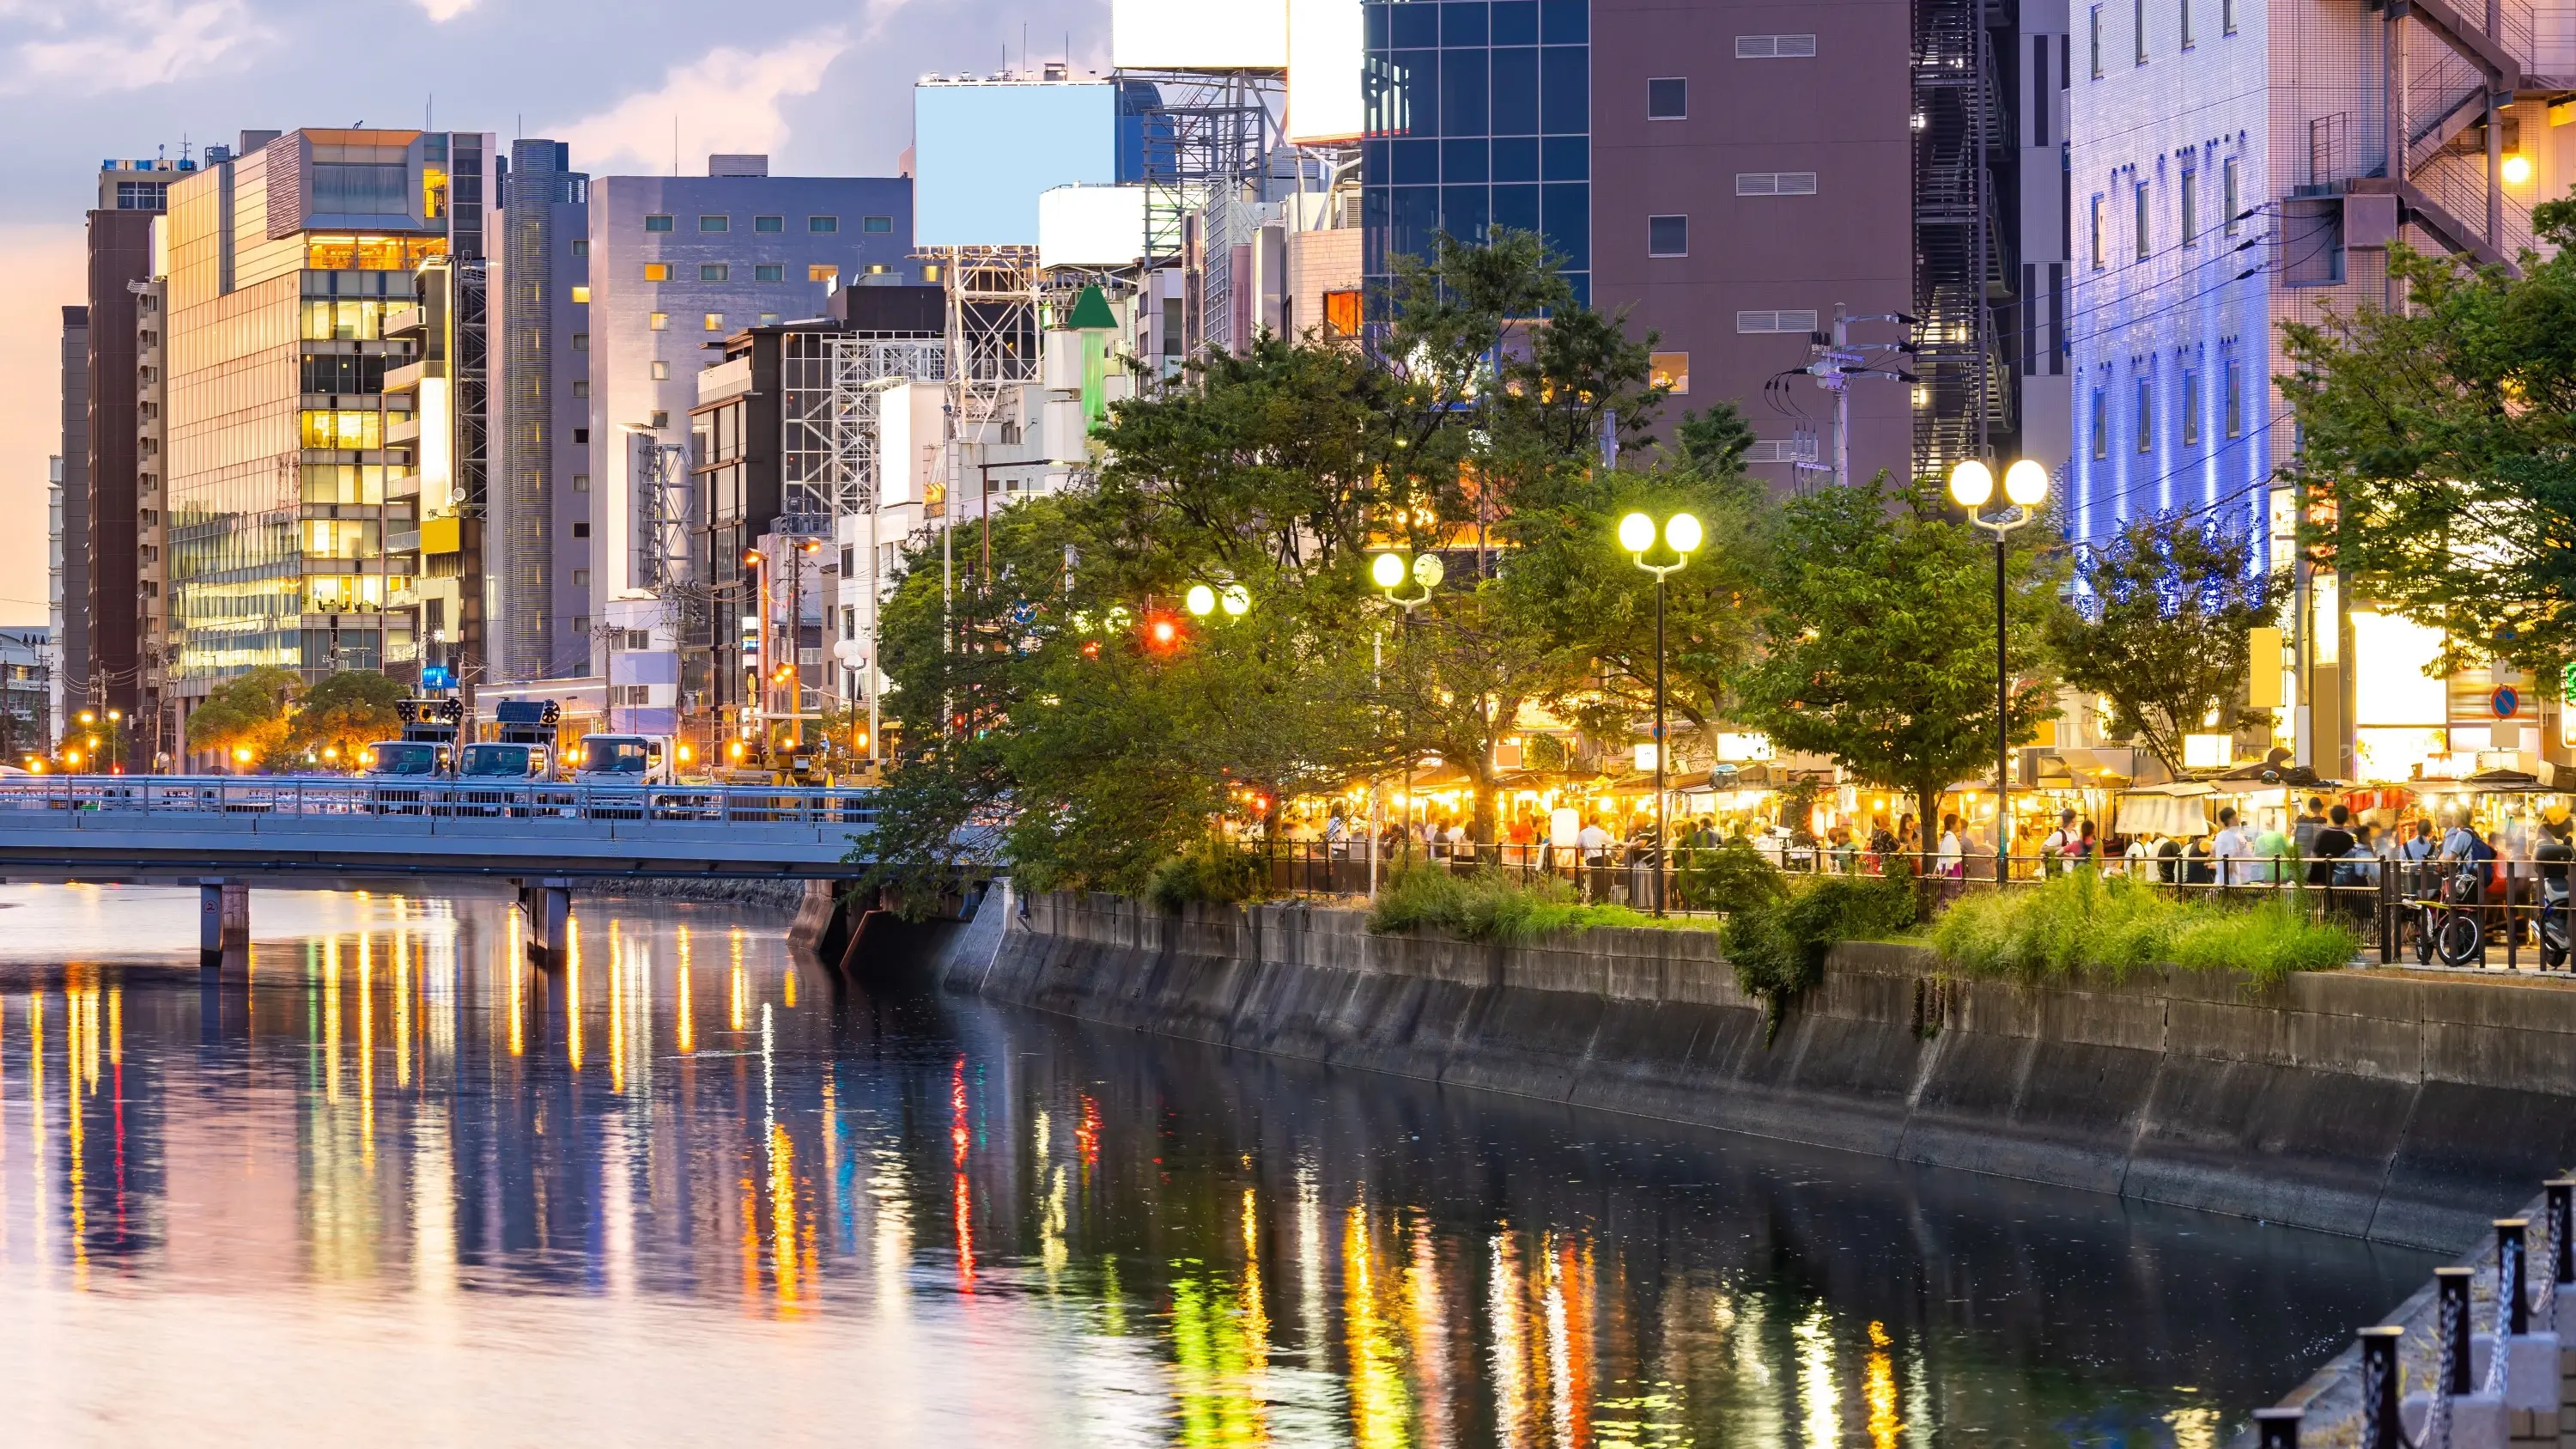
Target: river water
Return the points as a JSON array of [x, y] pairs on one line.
[[391, 1185]]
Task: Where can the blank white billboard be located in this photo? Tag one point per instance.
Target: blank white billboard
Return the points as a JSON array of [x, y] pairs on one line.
[[984, 152], [1327, 51], [1198, 34], [1091, 226]]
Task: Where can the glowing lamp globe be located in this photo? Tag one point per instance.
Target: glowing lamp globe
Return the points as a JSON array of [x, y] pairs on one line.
[[1683, 533], [1636, 533], [1972, 485], [2026, 484], [2517, 169], [1428, 570], [1387, 570], [1200, 600], [1237, 600]]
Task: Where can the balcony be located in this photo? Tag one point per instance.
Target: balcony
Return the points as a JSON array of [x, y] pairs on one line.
[[401, 428], [406, 378], [409, 322]]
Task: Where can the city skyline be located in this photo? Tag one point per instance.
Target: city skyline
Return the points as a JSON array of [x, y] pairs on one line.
[[823, 89]]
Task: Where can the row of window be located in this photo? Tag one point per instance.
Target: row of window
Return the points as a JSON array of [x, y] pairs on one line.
[[823, 272], [1668, 97], [719, 222], [1669, 236], [2232, 382], [2138, 27], [2187, 211]]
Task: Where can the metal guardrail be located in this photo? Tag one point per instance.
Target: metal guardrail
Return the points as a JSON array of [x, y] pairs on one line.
[[145, 797]]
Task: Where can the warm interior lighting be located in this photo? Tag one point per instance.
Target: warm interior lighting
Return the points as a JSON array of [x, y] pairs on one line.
[[2517, 169]]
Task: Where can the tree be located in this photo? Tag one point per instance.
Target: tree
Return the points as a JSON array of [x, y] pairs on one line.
[[338, 718], [1715, 442], [2438, 448], [1879, 648], [2160, 628], [246, 712]]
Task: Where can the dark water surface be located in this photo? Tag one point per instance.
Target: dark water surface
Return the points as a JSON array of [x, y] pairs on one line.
[[398, 1187]]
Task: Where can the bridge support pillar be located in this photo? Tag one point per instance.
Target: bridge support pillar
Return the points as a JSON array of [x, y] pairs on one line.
[[223, 918], [549, 909]]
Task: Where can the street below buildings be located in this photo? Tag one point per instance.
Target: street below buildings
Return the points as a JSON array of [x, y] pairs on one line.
[[386, 1181]]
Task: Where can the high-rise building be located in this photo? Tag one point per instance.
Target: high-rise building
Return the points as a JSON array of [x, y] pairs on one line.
[[131, 194], [542, 478], [156, 727], [71, 531], [54, 594], [676, 265], [296, 521], [2235, 166]]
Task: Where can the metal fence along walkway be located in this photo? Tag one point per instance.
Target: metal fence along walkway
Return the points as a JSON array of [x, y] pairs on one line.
[[126, 826]]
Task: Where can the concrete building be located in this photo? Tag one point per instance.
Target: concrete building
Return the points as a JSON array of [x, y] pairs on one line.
[[156, 730], [676, 266], [131, 194], [2235, 166], [26, 693], [291, 477], [71, 518], [54, 592], [542, 477]]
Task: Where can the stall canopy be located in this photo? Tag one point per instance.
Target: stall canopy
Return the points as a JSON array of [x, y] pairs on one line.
[[2178, 809]]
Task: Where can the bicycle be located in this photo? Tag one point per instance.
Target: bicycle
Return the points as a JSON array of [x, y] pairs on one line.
[[2449, 923]]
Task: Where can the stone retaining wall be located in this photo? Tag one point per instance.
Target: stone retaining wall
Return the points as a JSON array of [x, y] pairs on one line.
[[2403, 1106]]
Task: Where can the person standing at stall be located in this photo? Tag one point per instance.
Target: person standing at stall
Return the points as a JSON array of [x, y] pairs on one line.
[[2232, 852]]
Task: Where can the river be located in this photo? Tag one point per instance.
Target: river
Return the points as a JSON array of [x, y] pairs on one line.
[[389, 1184]]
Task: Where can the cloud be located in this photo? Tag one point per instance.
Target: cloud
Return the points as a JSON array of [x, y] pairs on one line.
[[444, 11], [125, 45], [728, 101]]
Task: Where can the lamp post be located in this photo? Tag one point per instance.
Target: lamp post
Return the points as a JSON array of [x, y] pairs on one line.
[[1683, 535], [1389, 572], [1972, 487]]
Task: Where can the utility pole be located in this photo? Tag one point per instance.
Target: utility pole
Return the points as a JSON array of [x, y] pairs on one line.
[[1834, 362]]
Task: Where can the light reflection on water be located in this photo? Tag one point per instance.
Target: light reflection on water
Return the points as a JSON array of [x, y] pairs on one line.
[[396, 1183]]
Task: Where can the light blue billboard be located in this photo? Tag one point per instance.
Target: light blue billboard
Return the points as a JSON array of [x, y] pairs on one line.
[[983, 151]]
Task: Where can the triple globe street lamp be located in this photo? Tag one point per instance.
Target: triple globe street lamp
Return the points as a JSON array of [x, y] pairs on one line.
[[1972, 487], [1682, 535]]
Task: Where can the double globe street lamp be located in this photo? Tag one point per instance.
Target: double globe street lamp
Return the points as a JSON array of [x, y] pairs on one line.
[[1389, 571], [1972, 487], [1683, 535]]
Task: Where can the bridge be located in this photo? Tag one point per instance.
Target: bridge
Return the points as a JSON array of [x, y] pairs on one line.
[[222, 831]]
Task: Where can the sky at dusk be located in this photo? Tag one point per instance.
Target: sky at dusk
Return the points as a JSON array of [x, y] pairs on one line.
[[824, 89]]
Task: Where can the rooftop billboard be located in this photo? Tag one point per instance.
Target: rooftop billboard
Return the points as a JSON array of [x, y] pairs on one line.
[[983, 152]]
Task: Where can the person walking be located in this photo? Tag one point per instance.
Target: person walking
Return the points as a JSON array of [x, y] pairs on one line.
[[1951, 862], [2232, 853]]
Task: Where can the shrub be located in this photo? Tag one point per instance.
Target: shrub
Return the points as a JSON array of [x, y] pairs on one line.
[[1778, 949], [1212, 872], [2081, 923], [1730, 877], [1489, 905]]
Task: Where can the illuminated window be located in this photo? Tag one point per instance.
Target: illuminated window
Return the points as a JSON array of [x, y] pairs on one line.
[[715, 272], [822, 223], [2191, 407], [661, 372], [2146, 416], [769, 272], [769, 223], [657, 271], [2235, 401], [1670, 371], [1342, 313], [2101, 430], [581, 294], [715, 223], [715, 321], [877, 224], [823, 272], [657, 223], [768, 319], [659, 320]]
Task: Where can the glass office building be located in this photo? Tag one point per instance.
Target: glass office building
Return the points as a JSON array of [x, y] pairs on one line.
[[1479, 116]]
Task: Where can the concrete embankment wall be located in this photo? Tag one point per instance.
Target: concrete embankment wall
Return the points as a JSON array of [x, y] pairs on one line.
[[2405, 1107]]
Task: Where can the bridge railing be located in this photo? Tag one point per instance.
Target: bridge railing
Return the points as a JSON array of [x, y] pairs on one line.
[[444, 799]]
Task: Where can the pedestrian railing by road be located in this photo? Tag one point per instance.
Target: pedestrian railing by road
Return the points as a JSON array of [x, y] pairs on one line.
[[438, 798]]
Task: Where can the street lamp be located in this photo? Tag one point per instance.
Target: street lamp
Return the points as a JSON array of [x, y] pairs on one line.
[[1972, 487], [1202, 600], [1389, 572], [1683, 535]]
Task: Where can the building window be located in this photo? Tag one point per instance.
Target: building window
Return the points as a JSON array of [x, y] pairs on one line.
[[581, 527], [661, 372], [2097, 42], [768, 319], [769, 272], [2101, 433], [2138, 23], [581, 387], [877, 225], [581, 623], [2145, 223], [657, 271], [581, 294], [2235, 400], [581, 578], [2146, 416], [2227, 193], [657, 223], [661, 420], [581, 342], [822, 223], [581, 246], [715, 321], [1775, 47], [1668, 236], [725, 223], [2227, 17], [2097, 234], [1667, 99], [769, 223], [715, 271], [1342, 314], [1801, 322], [1669, 371], [580, 482], [1775, 183], [2190, 205], [658, 321], [581, 437], [823, 272], [2191, 407]]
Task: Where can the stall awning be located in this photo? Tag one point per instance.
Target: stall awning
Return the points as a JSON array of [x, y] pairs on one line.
[[2176, 809]]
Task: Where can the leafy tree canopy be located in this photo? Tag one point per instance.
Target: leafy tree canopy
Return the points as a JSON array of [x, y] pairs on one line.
[[338, 718], [2160, 628], [246, 712]]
